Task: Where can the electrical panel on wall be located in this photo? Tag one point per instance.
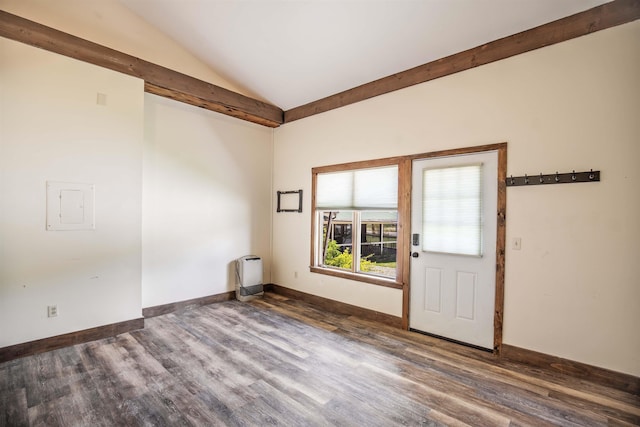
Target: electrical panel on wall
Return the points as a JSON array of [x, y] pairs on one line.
[[70, 206]]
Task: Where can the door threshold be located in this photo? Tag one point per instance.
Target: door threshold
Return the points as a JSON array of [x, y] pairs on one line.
[[465, 344]]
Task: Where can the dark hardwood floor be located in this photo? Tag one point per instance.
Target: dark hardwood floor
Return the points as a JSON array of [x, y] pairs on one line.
[[279, 361]]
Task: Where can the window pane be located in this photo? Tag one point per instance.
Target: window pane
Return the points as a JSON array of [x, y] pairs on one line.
[[337, 242], [378, 243], [452, 210], [334, 190], [375, 188], [373, 233]]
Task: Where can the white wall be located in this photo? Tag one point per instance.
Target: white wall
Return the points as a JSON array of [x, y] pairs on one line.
[[52, 129], [207, 180], [206, 200], [573, 289]]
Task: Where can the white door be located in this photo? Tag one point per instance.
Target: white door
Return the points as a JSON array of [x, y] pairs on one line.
[[453, 264]]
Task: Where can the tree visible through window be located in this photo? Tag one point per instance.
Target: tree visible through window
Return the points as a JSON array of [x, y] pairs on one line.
[[377, 241]]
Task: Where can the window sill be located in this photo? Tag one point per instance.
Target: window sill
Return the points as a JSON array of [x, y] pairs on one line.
[[374, 280]]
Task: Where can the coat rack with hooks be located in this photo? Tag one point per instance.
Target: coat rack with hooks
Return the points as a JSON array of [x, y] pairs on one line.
[[555, 178]]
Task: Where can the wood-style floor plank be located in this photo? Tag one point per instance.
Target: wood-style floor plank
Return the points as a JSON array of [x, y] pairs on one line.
[[279, 361]]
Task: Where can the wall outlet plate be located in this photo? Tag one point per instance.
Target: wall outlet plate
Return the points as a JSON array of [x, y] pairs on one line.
[[52, 311]]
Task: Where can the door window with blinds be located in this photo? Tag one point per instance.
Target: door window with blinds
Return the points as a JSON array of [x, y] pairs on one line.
[[452, 210], [356, 222]]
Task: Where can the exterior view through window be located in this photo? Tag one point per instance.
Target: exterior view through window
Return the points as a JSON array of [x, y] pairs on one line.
[[375, 231], [357, 221]]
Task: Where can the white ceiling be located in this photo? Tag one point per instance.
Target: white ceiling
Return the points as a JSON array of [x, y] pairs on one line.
[[292, 52]]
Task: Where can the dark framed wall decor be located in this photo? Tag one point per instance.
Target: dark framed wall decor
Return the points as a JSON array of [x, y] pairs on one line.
[[289, 201]]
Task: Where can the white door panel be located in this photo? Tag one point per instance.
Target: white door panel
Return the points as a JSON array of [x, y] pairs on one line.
[[453, 295]]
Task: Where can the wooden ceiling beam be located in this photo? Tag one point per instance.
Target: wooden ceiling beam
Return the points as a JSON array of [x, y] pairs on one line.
[[158, 80], [598, 18], [172, 84]]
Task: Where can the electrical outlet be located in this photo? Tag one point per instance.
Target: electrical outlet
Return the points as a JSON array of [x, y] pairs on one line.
[[295, 274], [52, 310]]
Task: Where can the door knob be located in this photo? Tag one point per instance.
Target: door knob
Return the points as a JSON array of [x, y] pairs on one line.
[[415, 254]]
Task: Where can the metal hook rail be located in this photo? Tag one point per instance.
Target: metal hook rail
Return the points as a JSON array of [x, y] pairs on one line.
[[556, 178]]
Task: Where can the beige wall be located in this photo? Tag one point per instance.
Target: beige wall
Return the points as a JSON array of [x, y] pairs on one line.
[[173, 210], [573, 289], [51, 129], [206, 200]]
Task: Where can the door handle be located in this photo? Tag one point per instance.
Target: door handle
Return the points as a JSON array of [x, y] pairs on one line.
[[415, 254]]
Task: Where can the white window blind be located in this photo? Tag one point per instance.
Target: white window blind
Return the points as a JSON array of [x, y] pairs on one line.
[[360, 189], [452, 210]]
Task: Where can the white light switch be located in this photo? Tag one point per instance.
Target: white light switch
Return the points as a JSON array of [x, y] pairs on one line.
[[516, 243], [70, 206], [101, 98]]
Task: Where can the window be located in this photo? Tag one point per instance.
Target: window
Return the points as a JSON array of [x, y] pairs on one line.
[[452, 210], [355, 231]]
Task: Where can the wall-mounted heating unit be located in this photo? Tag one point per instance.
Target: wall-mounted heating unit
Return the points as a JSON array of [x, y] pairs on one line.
[[249, 278]]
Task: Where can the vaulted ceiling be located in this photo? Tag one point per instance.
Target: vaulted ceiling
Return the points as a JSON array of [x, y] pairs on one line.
[[292, 52], [293, 59]]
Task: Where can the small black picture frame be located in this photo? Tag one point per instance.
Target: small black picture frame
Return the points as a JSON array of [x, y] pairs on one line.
[[287, 203]]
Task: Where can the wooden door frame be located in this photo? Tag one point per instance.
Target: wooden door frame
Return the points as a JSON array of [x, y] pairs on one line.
[[405, 191]]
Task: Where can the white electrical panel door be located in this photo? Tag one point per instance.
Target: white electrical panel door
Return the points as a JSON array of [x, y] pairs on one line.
[[70, 206]]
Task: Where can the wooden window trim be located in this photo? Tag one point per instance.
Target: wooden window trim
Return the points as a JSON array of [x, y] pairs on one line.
[[404, 164], [359, 277]]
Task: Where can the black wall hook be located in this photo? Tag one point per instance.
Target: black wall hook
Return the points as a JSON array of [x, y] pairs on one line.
[[557, 178]]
